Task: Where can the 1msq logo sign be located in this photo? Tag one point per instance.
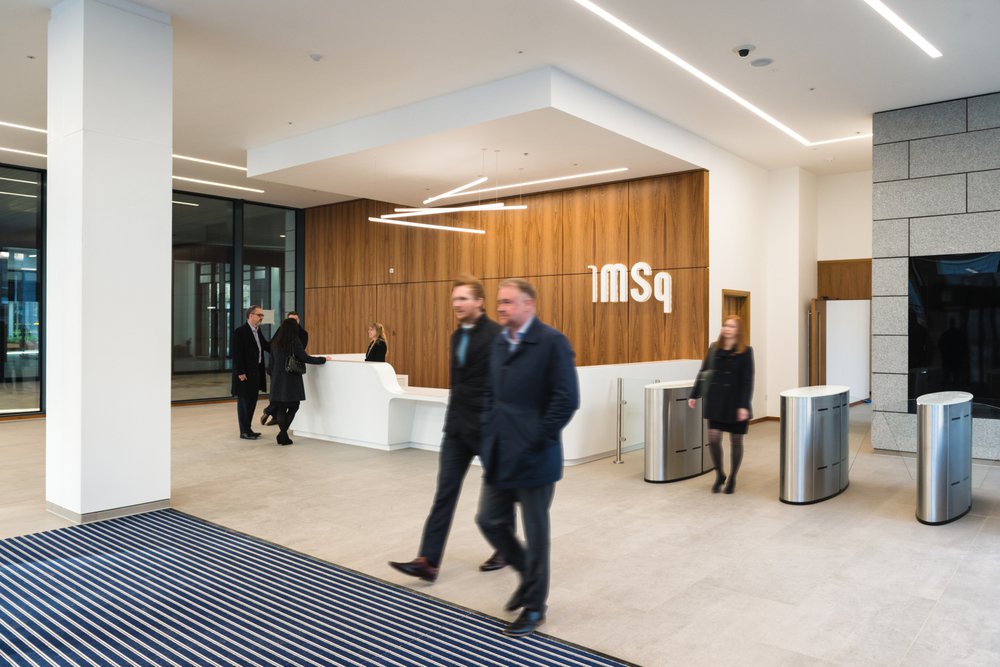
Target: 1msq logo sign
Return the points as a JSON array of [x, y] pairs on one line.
[[611, 284]]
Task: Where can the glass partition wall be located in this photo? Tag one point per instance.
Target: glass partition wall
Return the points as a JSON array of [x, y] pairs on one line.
[[21, 222], [211, 236]]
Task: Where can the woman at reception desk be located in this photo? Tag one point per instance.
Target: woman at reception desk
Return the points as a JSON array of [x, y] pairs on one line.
[[377, 347]]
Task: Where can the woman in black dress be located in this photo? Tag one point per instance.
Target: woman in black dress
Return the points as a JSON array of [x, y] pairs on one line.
[[729, 390], [377, 346], [287, 390]]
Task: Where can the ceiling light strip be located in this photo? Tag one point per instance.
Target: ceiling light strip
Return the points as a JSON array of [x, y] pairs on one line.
[[697, 73], [20, 152], [903, 27], [18, 194], [481, 179], [23, 127], [218, 185], [546, 180], [184, 203], [422, 225], [211, 162], [18, 180]]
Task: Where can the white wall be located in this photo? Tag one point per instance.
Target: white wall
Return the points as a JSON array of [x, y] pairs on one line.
[[848, 337], [844, 216]]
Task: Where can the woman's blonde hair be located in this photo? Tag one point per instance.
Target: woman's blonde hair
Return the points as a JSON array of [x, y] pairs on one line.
[[741, 345], [379, 330]]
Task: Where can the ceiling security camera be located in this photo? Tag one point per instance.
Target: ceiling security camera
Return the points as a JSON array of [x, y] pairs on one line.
[[743, 50]]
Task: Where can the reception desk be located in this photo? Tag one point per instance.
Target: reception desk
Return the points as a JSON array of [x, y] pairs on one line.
[[362, 403]]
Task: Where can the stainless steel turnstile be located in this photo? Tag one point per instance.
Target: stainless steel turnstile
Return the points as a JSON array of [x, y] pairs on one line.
[[814, 443], [944, 456], [675, 442]]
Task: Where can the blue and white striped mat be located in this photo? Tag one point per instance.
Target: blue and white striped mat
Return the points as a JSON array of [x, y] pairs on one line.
[[164, 588]]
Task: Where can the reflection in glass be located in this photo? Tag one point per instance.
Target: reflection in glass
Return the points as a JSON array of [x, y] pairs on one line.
[[269, 261], [954, 327], [202, 296], [20, 290]]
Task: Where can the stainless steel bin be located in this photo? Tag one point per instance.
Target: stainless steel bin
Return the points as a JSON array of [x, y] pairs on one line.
[[814, 443], [675, 445], [944, 456]]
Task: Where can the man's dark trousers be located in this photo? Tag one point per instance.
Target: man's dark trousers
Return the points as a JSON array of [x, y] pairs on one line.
[[495, 508], [456, 456]]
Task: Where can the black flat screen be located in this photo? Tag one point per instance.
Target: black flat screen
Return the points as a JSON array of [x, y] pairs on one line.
[[954, 328]]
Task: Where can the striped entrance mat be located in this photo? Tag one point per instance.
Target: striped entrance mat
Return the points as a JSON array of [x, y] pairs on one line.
[[164, 588]]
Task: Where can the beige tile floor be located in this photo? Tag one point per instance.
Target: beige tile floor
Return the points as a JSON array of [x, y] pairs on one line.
[[664, 574]]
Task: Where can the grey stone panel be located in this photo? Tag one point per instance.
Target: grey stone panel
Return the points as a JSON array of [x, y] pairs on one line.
[[931, 120], [891, 162], [890, 354], [894, 431], [986, 439], [956, 154], [984, 112], [889, 392], [889, 315], [984, 191], [890, 276], [891, 238], [940, 195], [953, 234]]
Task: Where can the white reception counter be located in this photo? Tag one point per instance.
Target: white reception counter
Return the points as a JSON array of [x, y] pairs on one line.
[[362, 403]]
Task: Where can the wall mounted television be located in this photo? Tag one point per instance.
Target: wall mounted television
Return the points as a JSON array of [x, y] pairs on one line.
[[954, 328]]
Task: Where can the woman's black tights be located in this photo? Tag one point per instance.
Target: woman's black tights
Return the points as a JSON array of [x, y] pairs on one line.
[[715, 449]]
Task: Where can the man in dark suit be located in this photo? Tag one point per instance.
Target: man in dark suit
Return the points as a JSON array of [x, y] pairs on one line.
[[247, 348], [471, 344], [535, 393], [267, 414]]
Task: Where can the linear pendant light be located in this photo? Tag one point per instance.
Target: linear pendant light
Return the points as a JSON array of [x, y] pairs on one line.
[[544, 180], [402, 213], [407, 223], [455, 191]]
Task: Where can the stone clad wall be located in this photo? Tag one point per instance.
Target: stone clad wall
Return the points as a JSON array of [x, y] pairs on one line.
[[936, 191]]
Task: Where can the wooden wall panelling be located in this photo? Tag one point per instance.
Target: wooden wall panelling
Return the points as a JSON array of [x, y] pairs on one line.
[[534, 238], [599, 332], [342, 247], [337, 318], [668, 220], [419, 322], [481, 255], [687, 220], [681, 334], [595, 223], [418, 255], [844, 279]]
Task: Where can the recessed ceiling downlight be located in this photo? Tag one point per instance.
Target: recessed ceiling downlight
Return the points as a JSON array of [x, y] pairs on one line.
[[761, 62]]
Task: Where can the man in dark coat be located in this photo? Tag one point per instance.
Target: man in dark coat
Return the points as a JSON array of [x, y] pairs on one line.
[[535, 393], [247, 348], [471, 344]]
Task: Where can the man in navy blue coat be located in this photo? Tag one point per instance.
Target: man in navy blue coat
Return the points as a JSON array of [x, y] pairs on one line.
[[535, 393]]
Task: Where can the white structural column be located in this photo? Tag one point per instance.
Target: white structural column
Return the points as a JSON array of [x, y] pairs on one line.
[[108, 245]]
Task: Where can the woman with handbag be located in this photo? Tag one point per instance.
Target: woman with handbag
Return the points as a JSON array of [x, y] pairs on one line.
[[288, 360], [725, 382]]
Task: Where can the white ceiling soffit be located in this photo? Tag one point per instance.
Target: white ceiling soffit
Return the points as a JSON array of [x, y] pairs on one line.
[[536, 125], [243, 77]]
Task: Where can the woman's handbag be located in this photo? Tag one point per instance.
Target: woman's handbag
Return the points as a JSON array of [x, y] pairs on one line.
[[704, 380], [294, 366]]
